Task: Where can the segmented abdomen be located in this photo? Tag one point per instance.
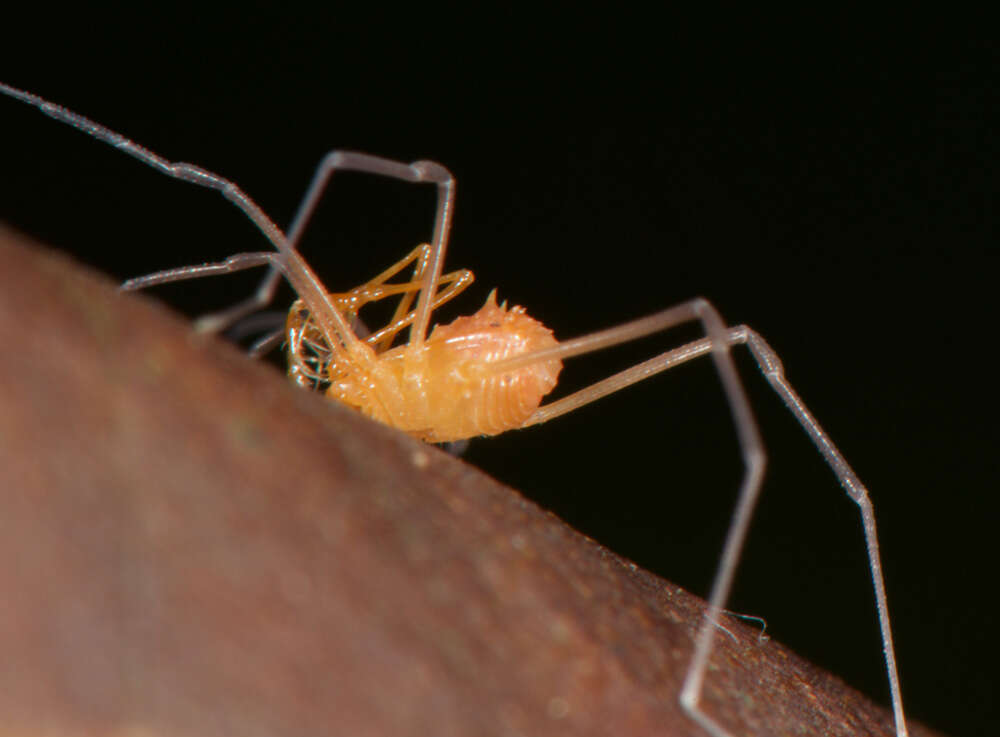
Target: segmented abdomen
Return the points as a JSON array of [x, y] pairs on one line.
[[448, 392]]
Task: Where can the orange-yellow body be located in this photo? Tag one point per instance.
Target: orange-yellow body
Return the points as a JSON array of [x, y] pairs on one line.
[[444, 390]]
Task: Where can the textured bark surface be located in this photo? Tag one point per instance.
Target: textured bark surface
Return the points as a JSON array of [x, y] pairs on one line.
[[191, 546]]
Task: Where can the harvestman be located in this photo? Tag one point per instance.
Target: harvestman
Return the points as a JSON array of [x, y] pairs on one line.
[[507, 360]]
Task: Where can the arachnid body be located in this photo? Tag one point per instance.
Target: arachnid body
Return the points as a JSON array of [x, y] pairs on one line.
[[487, 372], [447, 390]]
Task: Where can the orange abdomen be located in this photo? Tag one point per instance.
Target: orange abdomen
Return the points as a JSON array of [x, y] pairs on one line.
[[446, 390]]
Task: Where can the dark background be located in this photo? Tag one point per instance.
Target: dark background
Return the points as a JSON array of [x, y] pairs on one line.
[[834, 189]]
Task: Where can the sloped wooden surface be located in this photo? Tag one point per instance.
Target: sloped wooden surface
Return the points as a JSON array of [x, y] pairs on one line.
[[191, 546]]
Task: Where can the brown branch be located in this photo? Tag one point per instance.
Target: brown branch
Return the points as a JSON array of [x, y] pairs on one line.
[[191, 546]]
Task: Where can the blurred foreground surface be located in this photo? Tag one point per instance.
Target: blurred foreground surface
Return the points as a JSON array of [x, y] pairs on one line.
[[192, 546]]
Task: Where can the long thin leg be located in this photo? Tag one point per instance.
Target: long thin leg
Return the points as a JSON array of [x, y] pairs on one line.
[[298, 273], [236, 262], [287, 260], [717, 343], [771, 366], [175, 169], [418, 171]]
